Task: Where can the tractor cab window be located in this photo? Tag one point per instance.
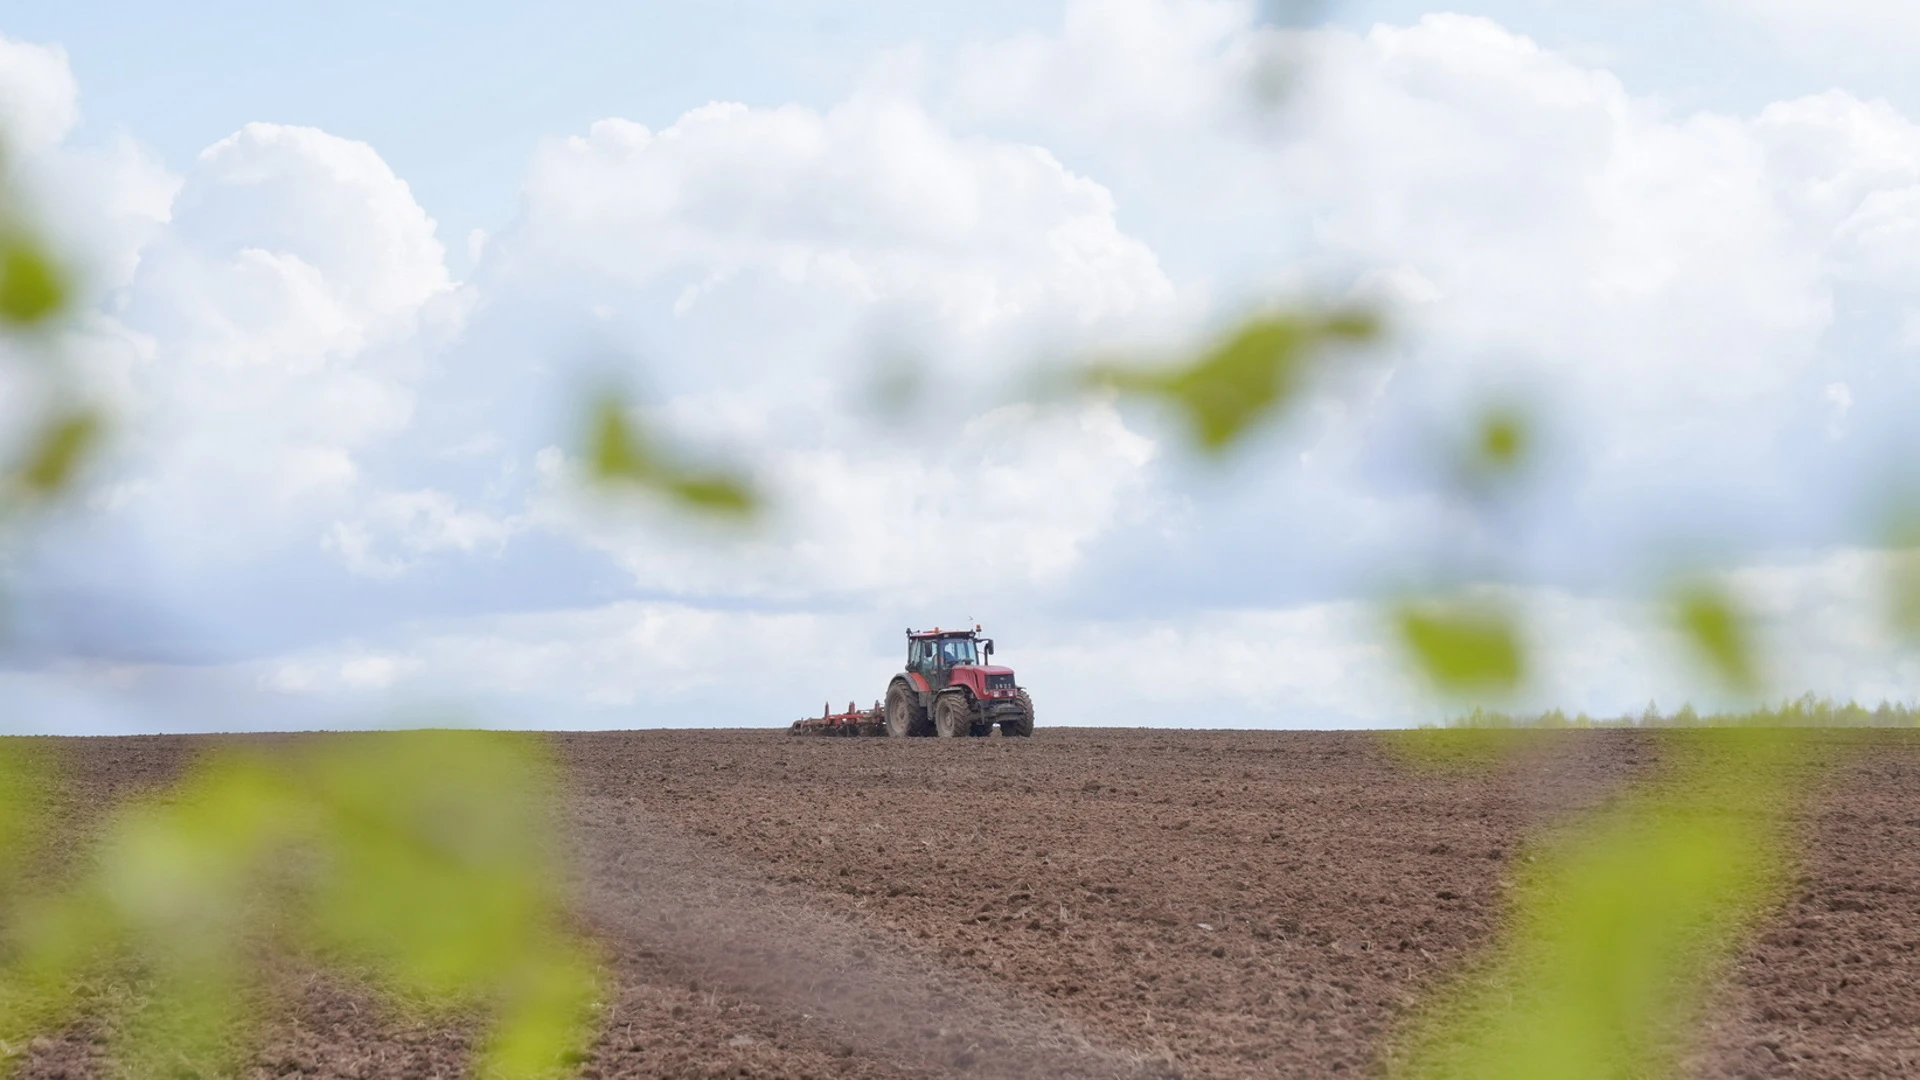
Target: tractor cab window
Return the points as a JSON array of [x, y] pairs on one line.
[[958, 651]]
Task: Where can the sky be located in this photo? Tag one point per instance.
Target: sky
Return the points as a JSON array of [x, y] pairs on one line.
[[352, 274]]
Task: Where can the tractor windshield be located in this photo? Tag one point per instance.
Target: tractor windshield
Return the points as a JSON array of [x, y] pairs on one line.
[[958, 651]]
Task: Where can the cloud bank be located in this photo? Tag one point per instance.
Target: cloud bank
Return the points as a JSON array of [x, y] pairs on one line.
[[343, 488]]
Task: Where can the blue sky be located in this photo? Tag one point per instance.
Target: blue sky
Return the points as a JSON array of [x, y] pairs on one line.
[[455, 96], [353, 269]]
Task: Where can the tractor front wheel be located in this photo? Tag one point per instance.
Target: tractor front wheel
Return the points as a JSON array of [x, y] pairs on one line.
[[904, 715], [1021, 724], [952, 716]]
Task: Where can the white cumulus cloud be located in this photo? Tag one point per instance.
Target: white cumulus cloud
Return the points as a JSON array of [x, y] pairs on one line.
[[39, 99], [870, 202], [363, 469]]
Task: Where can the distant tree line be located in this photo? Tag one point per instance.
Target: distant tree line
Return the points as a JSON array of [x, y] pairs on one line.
[[1802, 712]]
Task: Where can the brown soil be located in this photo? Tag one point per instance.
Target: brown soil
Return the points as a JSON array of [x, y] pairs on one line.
[[1094, 903]]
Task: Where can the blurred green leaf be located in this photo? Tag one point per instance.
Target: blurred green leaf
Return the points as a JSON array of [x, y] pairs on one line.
[[436, 854], [1903, 592], [56, 455], [24, 768], [1620, 928], [1707, 615], [614, 451], [1455, 747], [32, 997], [716, 493], [190, 1022], [619, 452], [442, 875], [1902, 541], [179, 872], [897, 383], [32, 286], [1463, 646], [1501, 441], [182, 881], [426, 859], [546, 1015], [1495, 451], [1255, 371]]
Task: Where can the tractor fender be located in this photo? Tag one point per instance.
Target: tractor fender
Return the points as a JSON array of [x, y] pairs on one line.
[[918, 682]]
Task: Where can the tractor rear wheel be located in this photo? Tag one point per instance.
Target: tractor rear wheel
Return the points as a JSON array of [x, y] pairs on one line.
[[952, 716], [904, 715], [1021, 725]]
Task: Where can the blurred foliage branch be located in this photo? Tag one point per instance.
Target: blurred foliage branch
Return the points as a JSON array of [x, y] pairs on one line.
[[1244, 379], [1710, 618], [36, 291], [1900, 536], [1463, 645], [422, 861], [33, 289], [1621, 923], [621, 453]]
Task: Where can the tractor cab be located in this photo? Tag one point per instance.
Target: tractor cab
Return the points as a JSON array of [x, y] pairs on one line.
[[934, 654], [947, 657]]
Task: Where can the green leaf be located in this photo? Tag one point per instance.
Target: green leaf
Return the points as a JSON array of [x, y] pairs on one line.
[[1251, 374], [1463, 646], [546, 1019], [716, 493], [190, 1022], [424, 860], [1620, 928], [1460, 746], [618, 452], [1903, 591], [444, 877], [1902, 540], [32, 287], [1502, 441], [56, 456], [30, 1002], [438, 856], [179, 881], [24, 772], [614, 449], [1709, 618]]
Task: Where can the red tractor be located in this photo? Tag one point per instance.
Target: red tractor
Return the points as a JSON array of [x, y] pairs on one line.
[[947, 690], [951, 691]]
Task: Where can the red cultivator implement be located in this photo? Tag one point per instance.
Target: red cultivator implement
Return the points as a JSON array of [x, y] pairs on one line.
[[852, 723]]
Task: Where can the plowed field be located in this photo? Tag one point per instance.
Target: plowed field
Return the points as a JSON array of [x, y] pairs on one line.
[[1100, 903]]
